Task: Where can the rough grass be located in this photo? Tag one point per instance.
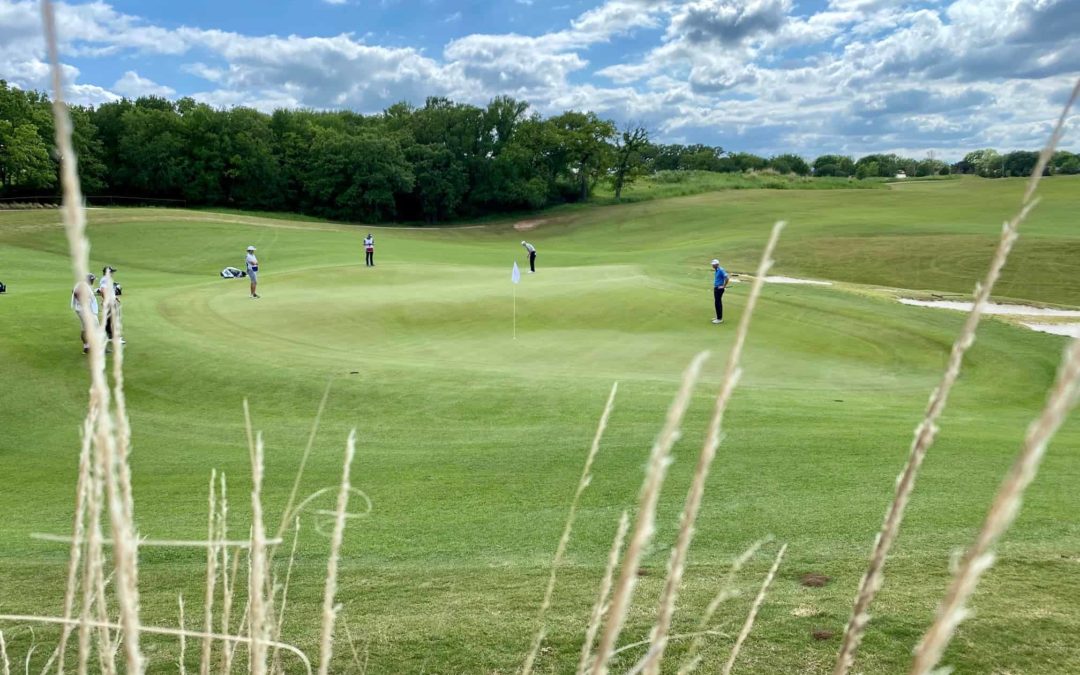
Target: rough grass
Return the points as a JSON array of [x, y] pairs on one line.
[[470, 445], [665, 184]]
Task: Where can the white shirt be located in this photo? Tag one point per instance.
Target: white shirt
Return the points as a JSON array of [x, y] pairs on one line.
[[369, 242], [529, 247], [83, 288], [106, 288], [252, 261]]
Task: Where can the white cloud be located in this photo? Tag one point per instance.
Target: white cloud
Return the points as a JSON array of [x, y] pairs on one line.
[[728, 22], [761, 75], [132, 85]]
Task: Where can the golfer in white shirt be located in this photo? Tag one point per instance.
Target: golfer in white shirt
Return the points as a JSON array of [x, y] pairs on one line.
[[110, 301], [84, 293], [252, 265], [532, 256]]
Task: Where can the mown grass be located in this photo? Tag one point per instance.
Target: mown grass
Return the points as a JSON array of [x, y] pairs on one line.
[[471, 443]]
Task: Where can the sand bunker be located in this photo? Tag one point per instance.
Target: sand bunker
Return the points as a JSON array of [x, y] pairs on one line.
[[793, 280], [526, 225], [1066, 329], [993, 308]]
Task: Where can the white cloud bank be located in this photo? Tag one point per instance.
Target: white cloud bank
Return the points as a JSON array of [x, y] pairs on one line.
[[856, 77]]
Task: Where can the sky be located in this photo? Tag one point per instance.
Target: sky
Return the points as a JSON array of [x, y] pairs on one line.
[[763, 76]]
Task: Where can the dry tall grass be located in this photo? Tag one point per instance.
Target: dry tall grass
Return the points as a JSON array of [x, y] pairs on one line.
[[732, 373], [644, 526], [759, 600], [600, 607], [927, 429], [1003, 510], [103, 491], [726, 592], [564, 540]]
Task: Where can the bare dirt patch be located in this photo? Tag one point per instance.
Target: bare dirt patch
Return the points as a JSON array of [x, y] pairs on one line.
[[822, 634], [814, 580]]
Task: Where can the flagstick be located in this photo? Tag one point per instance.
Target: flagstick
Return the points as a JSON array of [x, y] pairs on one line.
[[515, 311]]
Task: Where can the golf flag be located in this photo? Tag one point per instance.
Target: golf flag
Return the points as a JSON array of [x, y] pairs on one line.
[[515, 276]]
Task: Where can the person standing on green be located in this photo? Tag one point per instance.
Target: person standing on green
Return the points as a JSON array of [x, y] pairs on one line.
[[532, 256], [720, 282], [251, 263]]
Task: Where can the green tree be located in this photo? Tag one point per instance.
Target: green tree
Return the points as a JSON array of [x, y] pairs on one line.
[[744, 161], [24, 158], [206, 150], [884, 166], [354, 177], [866, 169], [88, 149], [1065, 162], [834, 165], [441, 181], [628, 164], [584, 140], [253, 176], [986, 162], [152, 151], [789, 163], [1020, 163]]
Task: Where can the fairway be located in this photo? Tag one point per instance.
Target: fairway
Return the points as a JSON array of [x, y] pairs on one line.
[[471, 442]]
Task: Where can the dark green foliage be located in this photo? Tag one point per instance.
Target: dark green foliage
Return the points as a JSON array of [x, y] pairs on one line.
[[433, 163], [834, 165], [629, 164], [1065, 163], [1020, 163], [789, 164]]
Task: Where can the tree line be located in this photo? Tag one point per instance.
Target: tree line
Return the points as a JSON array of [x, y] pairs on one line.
[[433, 162]]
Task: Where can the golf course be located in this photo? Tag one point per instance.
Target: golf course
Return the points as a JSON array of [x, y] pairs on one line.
[[475, 401]]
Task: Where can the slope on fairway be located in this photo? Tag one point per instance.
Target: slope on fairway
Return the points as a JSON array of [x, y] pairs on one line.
[[471, 442]]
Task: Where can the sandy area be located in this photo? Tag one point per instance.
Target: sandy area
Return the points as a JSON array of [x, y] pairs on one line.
[[1067, 329], [793, 280], [993, 308], [526, 225]]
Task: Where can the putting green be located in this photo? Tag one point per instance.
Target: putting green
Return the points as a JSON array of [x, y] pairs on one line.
[[471, 442]]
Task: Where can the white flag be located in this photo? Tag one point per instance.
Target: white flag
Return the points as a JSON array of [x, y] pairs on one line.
[[515, 276]]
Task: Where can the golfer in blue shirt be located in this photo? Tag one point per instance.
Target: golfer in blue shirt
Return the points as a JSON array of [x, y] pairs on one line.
[[720, 282]]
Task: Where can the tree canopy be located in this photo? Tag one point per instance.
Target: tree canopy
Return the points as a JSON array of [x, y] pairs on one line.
[[431, 163]]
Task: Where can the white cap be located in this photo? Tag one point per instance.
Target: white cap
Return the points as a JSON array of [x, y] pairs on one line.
[[251, 248], [715, 262], [522, 242]]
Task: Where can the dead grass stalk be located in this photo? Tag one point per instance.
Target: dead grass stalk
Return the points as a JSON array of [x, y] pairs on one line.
[[564, 540], [754, 609], [644, 526], [1003, 511], [732, 373], [926, 431], [600, 607], [329, 609]]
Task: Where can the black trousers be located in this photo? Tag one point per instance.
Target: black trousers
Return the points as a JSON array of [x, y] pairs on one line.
[[369, 258], [532, 260], [718, 301], [110, 319]]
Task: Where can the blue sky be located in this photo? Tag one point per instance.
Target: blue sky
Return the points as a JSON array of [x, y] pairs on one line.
[[765, 76]]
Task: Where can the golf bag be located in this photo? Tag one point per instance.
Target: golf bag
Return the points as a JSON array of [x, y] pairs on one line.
[[232, 273]]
